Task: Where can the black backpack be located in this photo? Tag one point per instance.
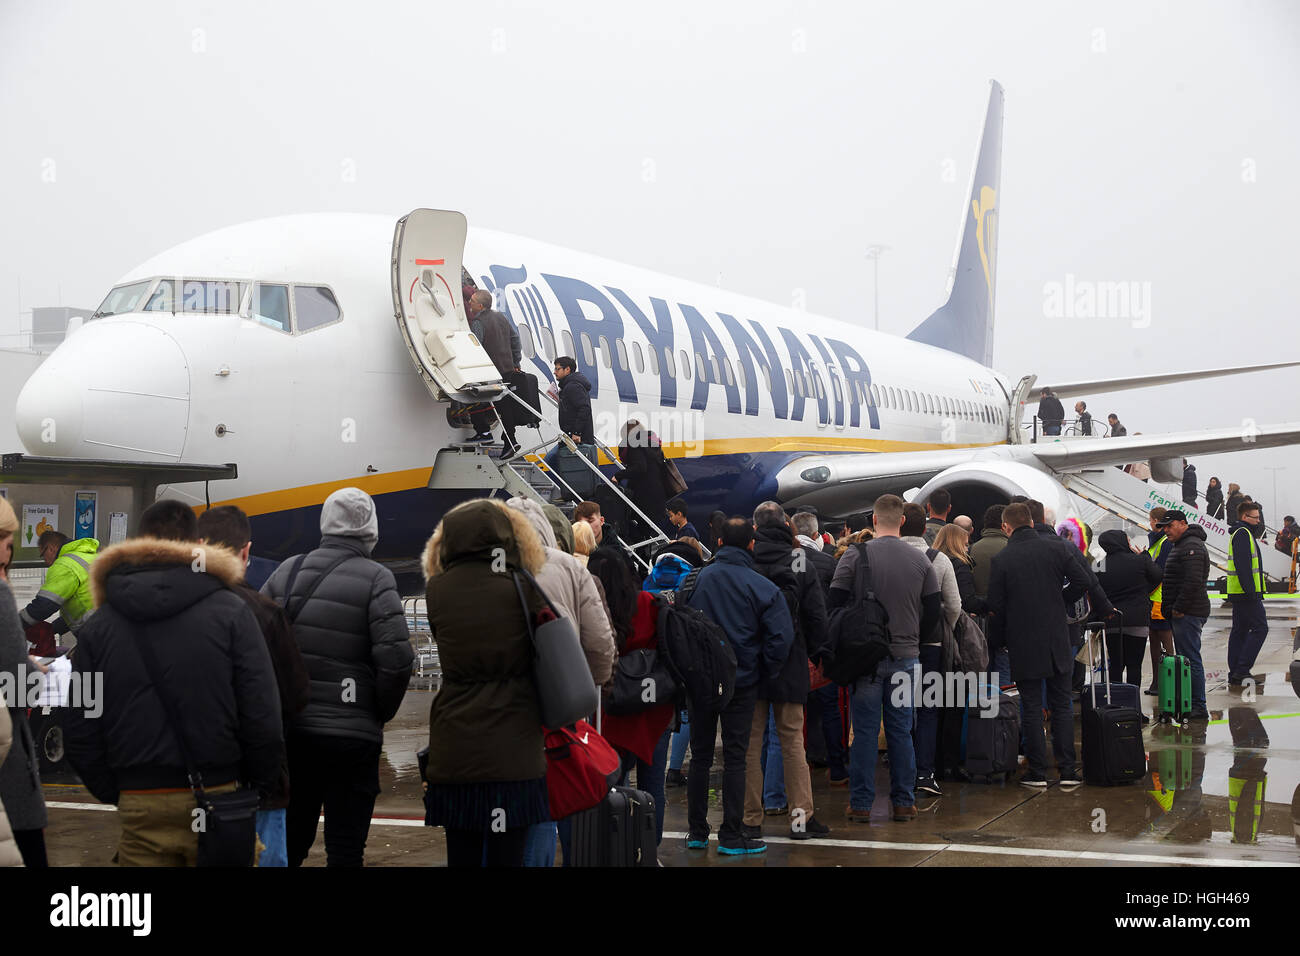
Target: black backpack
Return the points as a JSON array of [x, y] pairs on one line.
[[858, 632], [699, 656]]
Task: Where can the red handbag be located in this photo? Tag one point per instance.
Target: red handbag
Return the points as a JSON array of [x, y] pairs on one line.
[[816, 679], [581, 768]]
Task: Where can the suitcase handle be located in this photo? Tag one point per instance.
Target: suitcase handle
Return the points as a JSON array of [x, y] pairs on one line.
[[1105, 659]]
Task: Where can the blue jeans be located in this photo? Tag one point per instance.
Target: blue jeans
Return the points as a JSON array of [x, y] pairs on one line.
[[1249, 629], [870, 698], [773, 767], [833, 731], [926, 736], [680, 740], [539, 847], [650, 777], [1187, 641], [1000, 664], [271, 831]]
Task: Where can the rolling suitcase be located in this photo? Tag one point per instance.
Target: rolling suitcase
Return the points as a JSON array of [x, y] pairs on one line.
[[992, 744], [1174, 688], [1121, 695], [1113, 750], [575, 472], [524, 386], [619, 831]]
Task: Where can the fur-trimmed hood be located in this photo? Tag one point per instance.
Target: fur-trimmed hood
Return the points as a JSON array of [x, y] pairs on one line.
[[154, 578], [474, 529]]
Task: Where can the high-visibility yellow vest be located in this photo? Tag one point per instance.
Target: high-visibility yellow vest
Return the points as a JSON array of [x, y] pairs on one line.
[[1256, 574], [1154, 551]]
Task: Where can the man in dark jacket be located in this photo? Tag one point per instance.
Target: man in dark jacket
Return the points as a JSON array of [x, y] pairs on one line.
[[500, 340], [1246, 589], [643, 470], [1183, 599], [228, 527], [782, 695], [1128, 576], [937, 508], [575, 402], [349, 624], [1189, 483], [1050, 412], [166, 603], [804, 526], [1027, 610], [1084, 418], [752, 612], [824, 704], [1117, 429]]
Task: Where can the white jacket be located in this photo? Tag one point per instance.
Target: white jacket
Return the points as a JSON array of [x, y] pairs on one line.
[[951, 594], [9, 855]]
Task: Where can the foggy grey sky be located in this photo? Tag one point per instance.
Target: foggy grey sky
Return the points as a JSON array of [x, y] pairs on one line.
[[782, 138]]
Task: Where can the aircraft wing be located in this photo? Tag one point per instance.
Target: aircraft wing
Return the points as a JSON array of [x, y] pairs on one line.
[[1089, 453], [1103, 386]]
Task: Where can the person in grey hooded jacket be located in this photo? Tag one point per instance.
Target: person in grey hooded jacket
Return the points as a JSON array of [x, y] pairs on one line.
[[353, 636]]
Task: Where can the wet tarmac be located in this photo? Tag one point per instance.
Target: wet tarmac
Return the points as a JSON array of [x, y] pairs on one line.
[[1227, 794]]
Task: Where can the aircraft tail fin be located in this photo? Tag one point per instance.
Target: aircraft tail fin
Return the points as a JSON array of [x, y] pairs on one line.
[[964, 324]]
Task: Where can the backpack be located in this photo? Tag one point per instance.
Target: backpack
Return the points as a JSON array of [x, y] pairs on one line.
[[972, 646], [858, 632], [699, 656]]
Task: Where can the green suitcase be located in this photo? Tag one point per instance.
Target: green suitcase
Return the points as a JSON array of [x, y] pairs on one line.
[[1174, 767], [1174, 689]]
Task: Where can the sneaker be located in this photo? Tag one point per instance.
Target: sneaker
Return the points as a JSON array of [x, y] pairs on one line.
[[694, 842], [859, 816], [675, 778], [751, 833], [1070, 781], [1034, 781], [479, 437], [1152, 691], [835, 781], [903, 814], [776, 811], [812, 829], [1199, 713], [928, 785], [742, 847]]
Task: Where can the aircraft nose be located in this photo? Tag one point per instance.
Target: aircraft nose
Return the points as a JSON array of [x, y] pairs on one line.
[[116, 389]]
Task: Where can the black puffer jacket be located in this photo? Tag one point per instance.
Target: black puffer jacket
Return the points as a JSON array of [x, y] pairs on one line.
[[575, 408], [1127, 578], [774, 557], [1186, 570], [211, 659], [351, 629]]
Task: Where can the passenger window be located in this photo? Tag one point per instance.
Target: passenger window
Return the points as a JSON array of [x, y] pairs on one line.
[[271, 306], [686, 365], [875, 395], [621, 351], [789, 383], [669, 366], [588, 353], [163, 298], [605, 353], [717, 370], [767, 378], [638, 358], [835, 387], [314, 306], [700, 373], [653, 356], [548, 343], [668, 361], [567, 338], [526, 341]]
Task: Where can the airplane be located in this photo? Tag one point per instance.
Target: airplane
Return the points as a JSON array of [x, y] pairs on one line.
[[318, 351]]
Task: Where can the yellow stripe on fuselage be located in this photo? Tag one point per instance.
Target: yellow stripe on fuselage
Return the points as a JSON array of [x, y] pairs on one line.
[[306, 496]]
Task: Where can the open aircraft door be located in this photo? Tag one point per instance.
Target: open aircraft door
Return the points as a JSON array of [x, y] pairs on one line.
[[428, 246]]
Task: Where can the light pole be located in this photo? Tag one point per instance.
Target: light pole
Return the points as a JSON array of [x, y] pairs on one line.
[[874, 253]]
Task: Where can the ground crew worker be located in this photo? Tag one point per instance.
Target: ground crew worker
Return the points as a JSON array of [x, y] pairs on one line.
[[1246, 591], [67, 582]]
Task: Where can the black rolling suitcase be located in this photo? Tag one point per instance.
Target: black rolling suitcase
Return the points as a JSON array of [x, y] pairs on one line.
[[619, 831], [1113, 750], [993, 743]]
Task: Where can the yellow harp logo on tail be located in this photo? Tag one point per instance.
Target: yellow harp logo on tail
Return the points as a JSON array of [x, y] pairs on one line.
[[986, 221]]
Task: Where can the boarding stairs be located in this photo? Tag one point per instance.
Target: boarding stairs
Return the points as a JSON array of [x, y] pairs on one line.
[[1111, 494], [526, 474]]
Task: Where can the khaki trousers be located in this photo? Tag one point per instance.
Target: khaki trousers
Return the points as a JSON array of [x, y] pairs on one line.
[[798, 783], [157, 828]]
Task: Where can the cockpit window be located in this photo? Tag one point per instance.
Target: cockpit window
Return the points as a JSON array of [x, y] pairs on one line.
[[211, 295], [163, 298], [271, 306], [122, 298], [315, 306]]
